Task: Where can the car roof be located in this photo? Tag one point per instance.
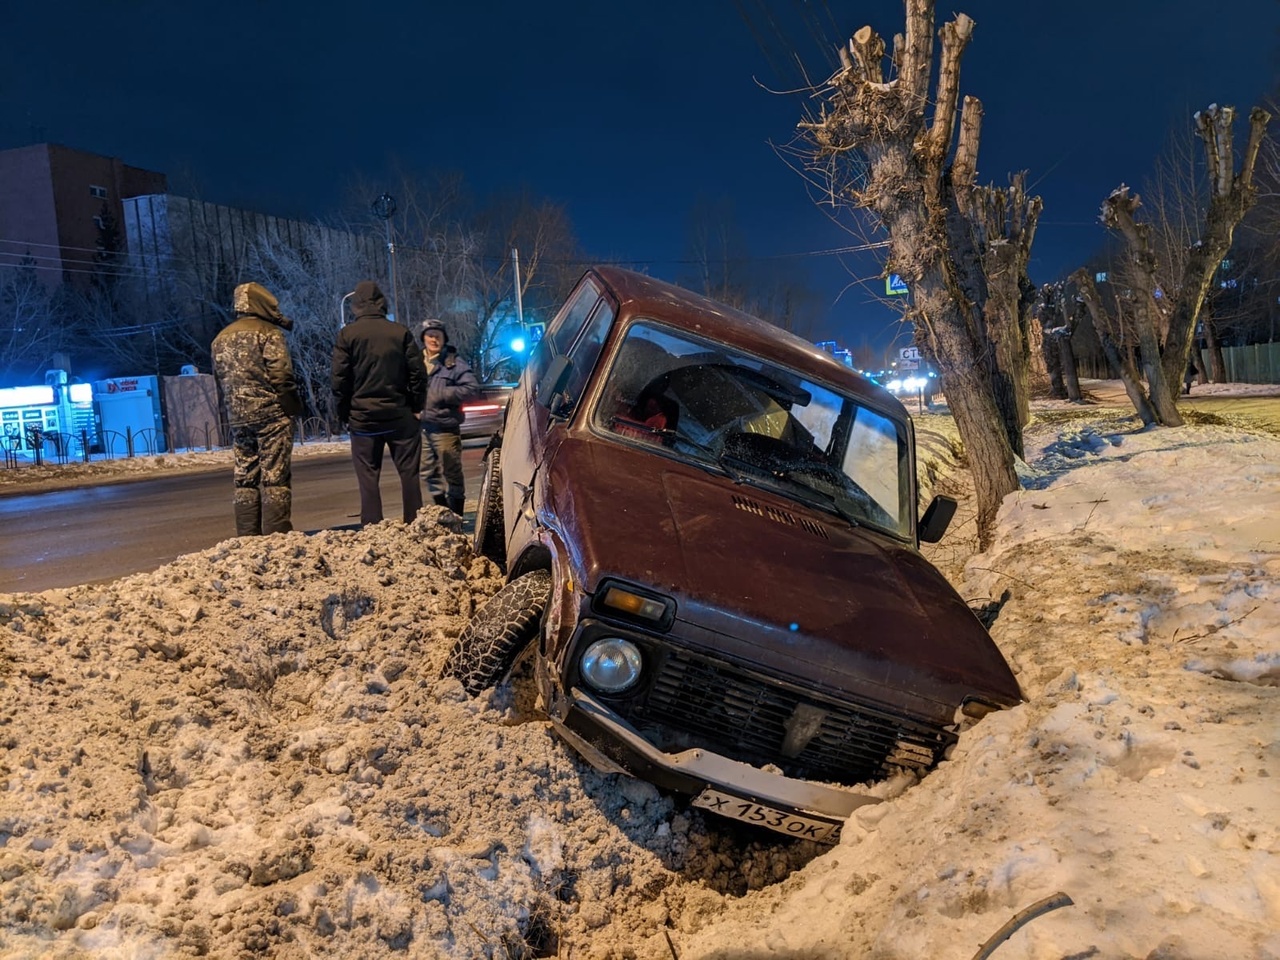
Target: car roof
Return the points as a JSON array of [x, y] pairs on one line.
[[638, 294]]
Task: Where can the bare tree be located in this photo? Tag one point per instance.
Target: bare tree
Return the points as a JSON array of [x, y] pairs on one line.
[[1118, 343], [29, 332], [1165, 319], [550, 263], [309, 279], [1056, 324], [877, 152], [724, 270]]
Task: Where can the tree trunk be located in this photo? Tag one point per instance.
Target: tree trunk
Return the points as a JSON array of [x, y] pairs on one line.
[[1070, 378], [873, 147], [1217, 372], [1120, 358], [1002, 223], [1231, 196], [1118, 213]]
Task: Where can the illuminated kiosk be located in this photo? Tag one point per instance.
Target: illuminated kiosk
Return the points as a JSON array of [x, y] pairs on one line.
[[32, 416], [129, 409]]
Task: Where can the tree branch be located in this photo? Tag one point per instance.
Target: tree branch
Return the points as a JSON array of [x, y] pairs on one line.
[[955, 37]]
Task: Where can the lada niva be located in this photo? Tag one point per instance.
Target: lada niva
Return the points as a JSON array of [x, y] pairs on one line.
[[711, 537]]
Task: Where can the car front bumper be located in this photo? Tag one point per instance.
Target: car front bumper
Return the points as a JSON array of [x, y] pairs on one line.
[[612, 745]]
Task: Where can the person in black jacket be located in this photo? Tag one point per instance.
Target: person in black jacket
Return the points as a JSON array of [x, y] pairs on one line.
[[450, 384], [379, 383], [254, 370]]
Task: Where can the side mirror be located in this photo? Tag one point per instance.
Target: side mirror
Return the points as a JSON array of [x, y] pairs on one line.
[[552, 383], [936, 519]]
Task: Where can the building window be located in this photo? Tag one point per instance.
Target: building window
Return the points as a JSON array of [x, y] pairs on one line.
[[97, 222], [99, 192]]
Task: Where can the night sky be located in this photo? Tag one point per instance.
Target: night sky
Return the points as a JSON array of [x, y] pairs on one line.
[[628, 113]]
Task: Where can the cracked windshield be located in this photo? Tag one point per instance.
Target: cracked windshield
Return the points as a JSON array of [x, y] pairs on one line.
[[760, 423]]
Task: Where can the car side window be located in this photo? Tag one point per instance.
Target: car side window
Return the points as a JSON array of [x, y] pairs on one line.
[[564, 328], [875, 459], [586, 351]]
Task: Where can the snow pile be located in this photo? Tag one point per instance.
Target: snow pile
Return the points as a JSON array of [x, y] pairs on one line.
[[1140, 606], [248, 752]]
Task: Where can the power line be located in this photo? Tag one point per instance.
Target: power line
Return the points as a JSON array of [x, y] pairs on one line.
[[142, 266]]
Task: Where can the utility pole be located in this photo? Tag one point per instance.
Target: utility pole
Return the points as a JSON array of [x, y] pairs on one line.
[[515, 264], [385, 207]]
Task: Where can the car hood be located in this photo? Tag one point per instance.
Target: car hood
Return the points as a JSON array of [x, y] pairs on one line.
[[769, 581]]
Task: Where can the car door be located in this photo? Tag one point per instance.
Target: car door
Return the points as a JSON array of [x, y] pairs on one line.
[[531, 426]]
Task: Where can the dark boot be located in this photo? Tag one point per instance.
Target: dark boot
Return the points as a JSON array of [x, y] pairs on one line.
[[277, 506], [248, 511], [440, 499], [456, 504]]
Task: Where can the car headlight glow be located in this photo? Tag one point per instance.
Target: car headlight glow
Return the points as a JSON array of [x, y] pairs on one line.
[[611, 664]]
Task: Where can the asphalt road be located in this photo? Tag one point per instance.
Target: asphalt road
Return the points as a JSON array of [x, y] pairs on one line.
[[65, 537], [61, 538]]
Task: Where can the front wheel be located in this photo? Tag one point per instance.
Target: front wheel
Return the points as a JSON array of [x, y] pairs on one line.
[[488, 540], [488, 648]]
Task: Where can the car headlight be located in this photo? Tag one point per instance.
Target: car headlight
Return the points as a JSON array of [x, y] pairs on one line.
[[611, 664]]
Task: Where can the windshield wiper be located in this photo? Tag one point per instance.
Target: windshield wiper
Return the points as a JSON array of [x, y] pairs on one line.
[[793, 473]]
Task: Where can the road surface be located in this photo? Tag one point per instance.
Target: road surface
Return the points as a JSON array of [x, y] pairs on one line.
[[61, 538]]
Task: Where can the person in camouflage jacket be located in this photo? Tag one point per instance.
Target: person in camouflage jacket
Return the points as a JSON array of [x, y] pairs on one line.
[[254, 371]]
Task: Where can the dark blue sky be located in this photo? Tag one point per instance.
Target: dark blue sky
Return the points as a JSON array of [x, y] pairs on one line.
[[627, 112]]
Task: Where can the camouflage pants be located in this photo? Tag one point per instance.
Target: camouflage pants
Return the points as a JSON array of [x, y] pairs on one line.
[[263, 477]]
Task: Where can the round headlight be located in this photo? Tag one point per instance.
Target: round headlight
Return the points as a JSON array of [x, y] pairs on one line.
[[611, 665]]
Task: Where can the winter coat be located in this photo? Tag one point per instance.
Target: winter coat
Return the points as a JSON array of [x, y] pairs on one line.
[[251, 360], [450, 384], [378, 379]]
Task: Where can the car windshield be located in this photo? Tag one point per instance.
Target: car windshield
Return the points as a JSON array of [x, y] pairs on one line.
[[759, 423]]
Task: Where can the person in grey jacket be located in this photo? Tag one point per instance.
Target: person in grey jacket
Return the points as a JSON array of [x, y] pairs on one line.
[[379, 385], [450, 384], [254, 371]]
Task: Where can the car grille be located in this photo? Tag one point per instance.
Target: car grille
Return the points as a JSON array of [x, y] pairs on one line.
[[757, 721]]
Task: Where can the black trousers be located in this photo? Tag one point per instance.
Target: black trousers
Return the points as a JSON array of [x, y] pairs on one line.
[[405, 444]]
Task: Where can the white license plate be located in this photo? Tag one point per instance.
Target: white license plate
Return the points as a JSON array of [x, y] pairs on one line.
[[736, 808]]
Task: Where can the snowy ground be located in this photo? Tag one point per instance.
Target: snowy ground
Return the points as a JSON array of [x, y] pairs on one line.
[[247, 752]]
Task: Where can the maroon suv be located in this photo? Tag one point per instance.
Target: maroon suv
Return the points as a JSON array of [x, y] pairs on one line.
[[710, 533]]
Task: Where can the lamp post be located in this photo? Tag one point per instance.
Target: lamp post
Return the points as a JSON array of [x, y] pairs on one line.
[[342, 301], [385, 207]]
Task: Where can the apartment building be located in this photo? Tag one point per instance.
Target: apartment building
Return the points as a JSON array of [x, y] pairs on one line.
[[53, 203]]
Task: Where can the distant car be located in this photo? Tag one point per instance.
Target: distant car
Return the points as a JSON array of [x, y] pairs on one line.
[[711, 541], [483, 416]]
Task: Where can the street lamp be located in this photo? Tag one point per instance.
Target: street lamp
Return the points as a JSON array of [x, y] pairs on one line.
[[385, 207], [342, 302]]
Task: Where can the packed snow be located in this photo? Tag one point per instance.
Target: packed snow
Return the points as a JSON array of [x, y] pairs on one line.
[[249, 751]]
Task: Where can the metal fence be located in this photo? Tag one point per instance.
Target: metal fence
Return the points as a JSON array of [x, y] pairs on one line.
[[49, 447], [1258, 363]]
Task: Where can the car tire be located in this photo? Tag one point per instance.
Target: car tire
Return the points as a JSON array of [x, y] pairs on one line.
[[508, 622], [488, 539]]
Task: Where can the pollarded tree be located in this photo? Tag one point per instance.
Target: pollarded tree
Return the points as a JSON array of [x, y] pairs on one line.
[[1165, 335], [1115, 331], [875, 150], [1056, 325]]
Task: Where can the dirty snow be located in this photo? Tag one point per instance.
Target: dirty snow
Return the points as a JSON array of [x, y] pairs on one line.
[[248, 752]]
